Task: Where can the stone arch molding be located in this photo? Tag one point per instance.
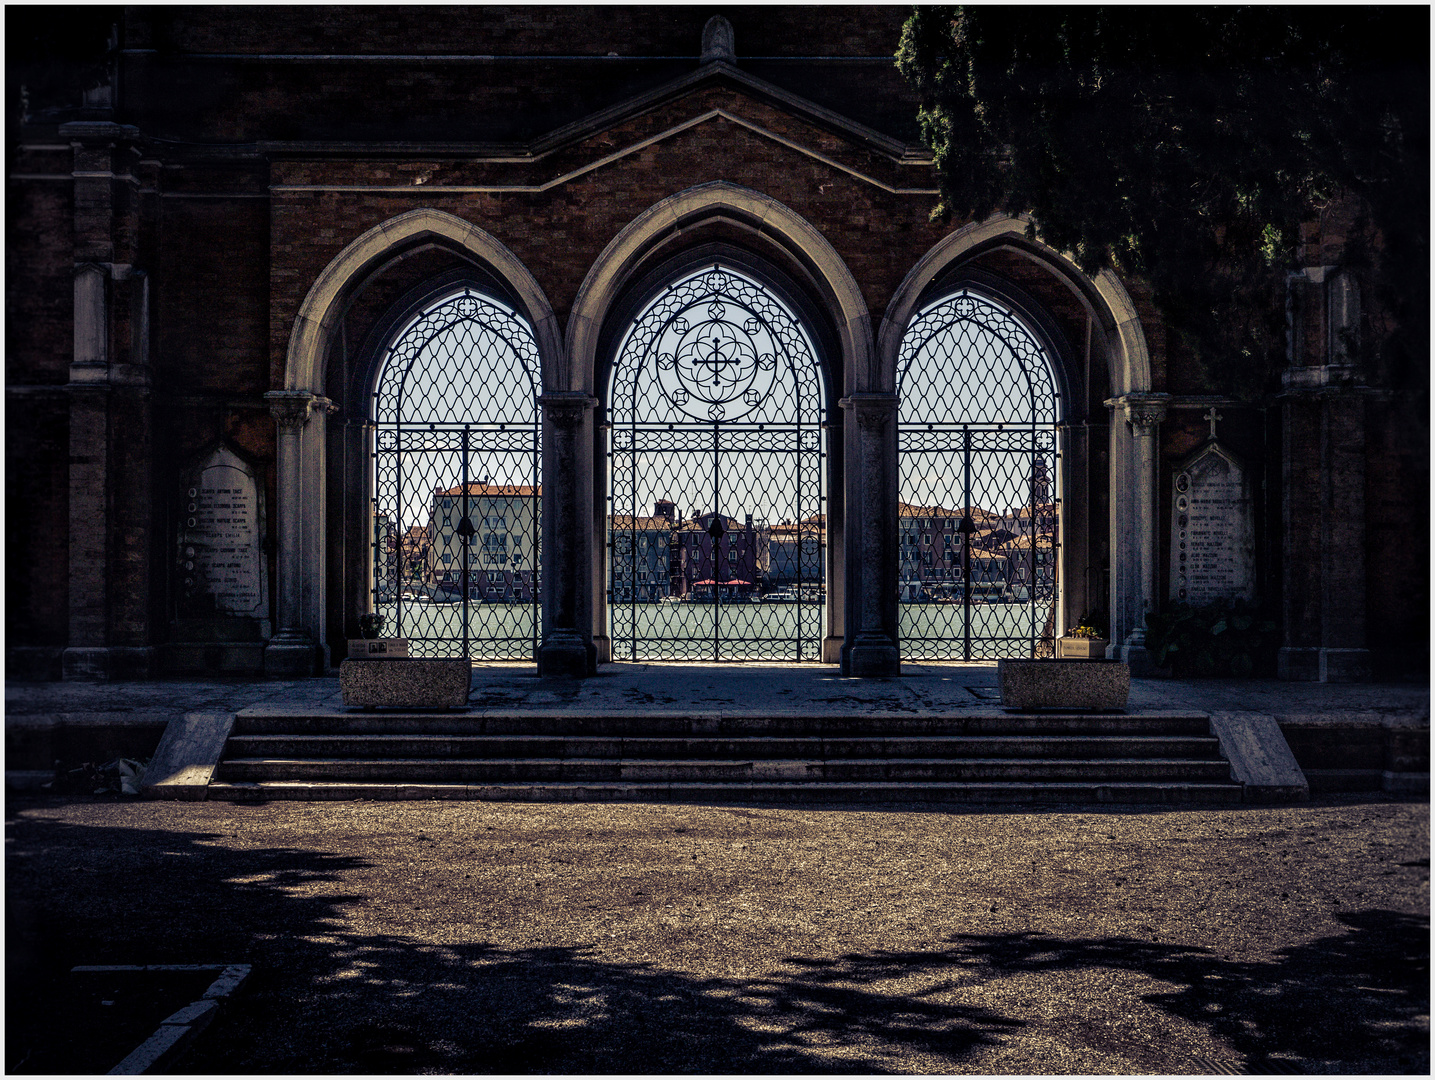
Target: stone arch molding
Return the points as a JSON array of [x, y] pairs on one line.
[[1131, 438], [1130, 360], [324, 305], [300, 647], [627, 253]]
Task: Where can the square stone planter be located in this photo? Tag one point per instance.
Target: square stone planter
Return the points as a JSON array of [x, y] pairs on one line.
[[384, 648], [1077, 648], [1064, 684], [405, 683]]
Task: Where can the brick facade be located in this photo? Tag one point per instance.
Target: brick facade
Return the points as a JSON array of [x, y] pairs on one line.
[[236, 152]]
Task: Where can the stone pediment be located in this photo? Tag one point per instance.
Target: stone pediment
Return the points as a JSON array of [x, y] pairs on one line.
[[716, 93]]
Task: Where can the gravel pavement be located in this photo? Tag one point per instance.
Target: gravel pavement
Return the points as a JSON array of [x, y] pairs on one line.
[[502, 937]]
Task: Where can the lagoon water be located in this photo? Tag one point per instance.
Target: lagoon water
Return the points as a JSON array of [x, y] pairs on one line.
[[745, 631]]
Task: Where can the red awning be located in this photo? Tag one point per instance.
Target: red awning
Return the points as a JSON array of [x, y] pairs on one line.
[[710, 581]]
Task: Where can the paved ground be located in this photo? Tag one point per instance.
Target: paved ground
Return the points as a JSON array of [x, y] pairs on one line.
[[477, 937], [664, 687]]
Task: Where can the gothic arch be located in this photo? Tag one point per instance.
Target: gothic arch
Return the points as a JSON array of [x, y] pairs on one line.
[[312, 600], [750, 211], [674, 225], [324, 305], [1104, 295], [1130, 441]]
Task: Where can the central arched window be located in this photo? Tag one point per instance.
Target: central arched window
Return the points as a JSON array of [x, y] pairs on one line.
[[717, 480], [978, 501], [456, 504]]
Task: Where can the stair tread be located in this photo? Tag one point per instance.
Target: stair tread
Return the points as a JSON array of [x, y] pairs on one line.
[[854, 785], [396, 736], [1025, 761]]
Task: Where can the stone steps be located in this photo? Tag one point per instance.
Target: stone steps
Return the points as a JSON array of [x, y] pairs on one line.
[[447, 746], [797, 792], [262, 720], [978, 757], [585, 770]]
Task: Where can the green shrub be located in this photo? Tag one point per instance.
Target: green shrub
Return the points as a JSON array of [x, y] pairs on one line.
[[1223, 638]]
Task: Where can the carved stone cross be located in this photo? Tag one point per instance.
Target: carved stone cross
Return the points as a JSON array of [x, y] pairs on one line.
[[1211, 416]]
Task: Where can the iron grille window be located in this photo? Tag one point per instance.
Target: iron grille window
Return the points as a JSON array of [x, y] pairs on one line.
[[716, 402], [977, 445], [456, 450]]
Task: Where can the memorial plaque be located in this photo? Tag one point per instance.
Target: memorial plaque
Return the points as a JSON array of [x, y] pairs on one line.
[[1213, 538], [221, 560]]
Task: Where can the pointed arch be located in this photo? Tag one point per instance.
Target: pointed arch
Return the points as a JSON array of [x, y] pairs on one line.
[[755, 213], [1105, 296], [323, 307], [1129, 445]]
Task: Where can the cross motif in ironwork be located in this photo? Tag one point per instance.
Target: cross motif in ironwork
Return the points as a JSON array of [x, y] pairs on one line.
[[1211, 416], [716, 360]]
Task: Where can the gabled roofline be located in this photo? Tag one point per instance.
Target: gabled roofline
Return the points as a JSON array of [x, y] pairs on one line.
[[715, 71]]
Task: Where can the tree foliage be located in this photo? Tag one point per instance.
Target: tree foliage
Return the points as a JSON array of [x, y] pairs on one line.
[[1185, 145]]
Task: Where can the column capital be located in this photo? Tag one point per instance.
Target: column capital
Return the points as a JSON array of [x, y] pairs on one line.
[[1142, 411], [872, 410], [292, 408], [566, 408]]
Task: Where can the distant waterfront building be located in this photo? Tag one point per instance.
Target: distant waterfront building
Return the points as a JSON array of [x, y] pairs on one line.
[[797, 553], [641, 554], [735, 565], [503, 549], [414, 548]]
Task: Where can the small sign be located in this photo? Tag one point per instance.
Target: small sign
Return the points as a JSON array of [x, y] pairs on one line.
[[378, 648]]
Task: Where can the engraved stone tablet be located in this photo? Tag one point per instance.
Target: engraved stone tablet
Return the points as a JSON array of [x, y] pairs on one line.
[[221, 560], [1213, 535]]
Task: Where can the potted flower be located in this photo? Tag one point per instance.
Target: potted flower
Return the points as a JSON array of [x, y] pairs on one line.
[[1084, 641]]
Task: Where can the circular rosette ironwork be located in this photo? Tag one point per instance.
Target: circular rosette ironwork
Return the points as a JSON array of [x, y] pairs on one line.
[[713, 343]]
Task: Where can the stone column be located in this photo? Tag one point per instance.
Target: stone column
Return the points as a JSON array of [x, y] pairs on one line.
[[111, 528], [86, 656], [566, 571], [293, 651], [1134, 535], [1323, 406], [870, 586]]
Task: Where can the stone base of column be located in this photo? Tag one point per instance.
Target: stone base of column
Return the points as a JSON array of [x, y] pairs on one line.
[[567, 655], [872, 657], [290, 658], [1298, 664], [1344, 665], [1142, 662], [603, 647], [832, 649], [108, 662]]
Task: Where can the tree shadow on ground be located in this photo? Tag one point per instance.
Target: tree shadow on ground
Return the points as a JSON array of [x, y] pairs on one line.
[[324, 999], [1362, 996]]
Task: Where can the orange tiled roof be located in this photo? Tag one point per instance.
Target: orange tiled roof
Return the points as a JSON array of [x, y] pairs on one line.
[[509, 490]]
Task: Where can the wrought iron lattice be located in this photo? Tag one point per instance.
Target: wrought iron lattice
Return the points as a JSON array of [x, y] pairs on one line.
[[979, 507], [457, 507], [717, 479]]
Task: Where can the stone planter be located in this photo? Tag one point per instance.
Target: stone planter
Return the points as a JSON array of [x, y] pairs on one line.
[[384, 648], [1064, 684], [1078, 648], [405, 683]]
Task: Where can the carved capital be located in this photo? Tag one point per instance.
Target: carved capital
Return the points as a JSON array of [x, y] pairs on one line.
[[873, 412], [566, 409], [1142, 411], [290, 408]]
